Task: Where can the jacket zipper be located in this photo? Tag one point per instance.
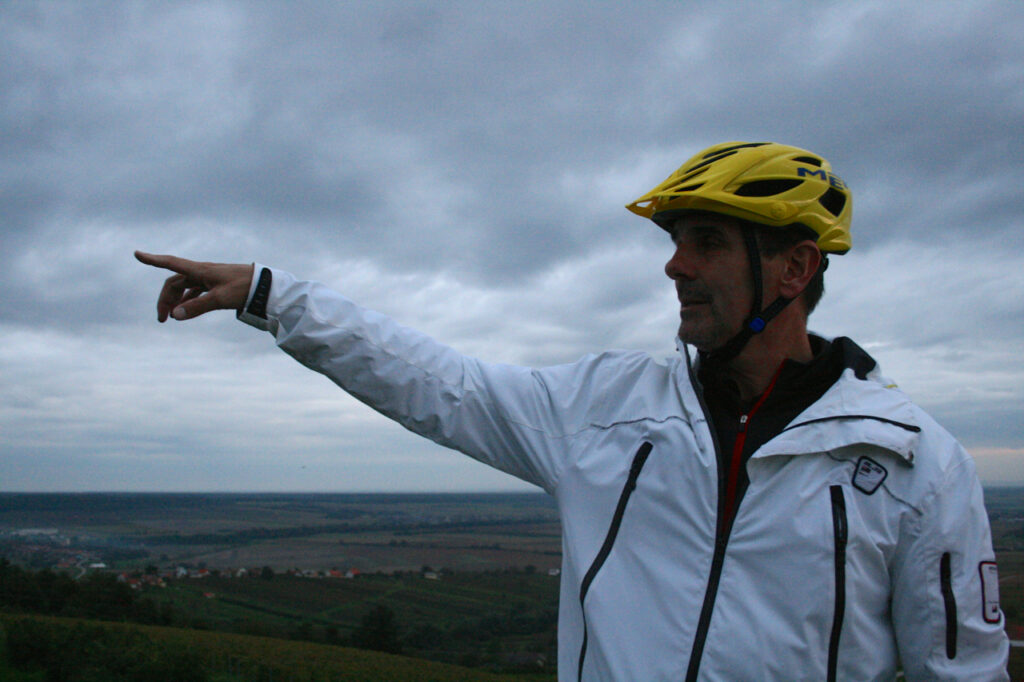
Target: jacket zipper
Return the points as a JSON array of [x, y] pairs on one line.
[[726, 502], [722, 539], [949, 600], [737, 456], [613, 530], [840, 533]]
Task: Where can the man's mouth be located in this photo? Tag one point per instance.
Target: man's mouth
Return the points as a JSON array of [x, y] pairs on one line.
[[692, 295]]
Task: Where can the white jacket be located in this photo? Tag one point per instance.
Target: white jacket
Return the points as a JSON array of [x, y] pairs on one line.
[[861, 543]]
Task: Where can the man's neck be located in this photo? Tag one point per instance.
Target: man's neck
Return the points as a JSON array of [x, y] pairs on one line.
[[756, 365]]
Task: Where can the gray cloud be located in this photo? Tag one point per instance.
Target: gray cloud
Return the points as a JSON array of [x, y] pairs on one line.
[[464, 167]]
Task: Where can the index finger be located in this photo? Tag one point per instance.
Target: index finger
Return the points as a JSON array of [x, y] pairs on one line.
[[182, 266]]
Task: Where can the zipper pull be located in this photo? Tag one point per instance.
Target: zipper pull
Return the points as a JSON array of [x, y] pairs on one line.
[[743, 420]]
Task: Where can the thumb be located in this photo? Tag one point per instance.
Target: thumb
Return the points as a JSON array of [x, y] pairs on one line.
[[194, 307], [225, 296], [185, 311]]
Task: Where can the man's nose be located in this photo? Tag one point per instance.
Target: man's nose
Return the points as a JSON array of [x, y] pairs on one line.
[[680, 265]]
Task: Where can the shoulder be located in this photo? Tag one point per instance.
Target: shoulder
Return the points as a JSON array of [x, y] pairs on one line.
[[932, 459], [613, 365], [619, 385]]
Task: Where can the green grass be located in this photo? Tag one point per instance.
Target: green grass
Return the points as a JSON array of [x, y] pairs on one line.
[[285, 601], [230, 657], [9, 674]]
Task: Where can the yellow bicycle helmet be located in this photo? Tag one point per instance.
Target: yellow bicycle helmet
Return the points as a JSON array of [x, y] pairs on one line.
[[761, 182]]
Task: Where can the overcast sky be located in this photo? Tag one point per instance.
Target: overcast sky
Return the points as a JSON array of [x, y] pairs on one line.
[[463, 166]]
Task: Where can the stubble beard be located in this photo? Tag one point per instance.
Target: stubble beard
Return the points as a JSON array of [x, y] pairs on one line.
[[701, 324], [703, 328]]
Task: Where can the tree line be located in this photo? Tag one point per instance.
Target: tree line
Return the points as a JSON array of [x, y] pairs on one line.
[[490, 638]]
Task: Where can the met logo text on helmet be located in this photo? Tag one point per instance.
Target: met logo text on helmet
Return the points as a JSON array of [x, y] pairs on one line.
[[822, 174]]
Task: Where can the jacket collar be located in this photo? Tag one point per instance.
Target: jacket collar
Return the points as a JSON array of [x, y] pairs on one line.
[[861, 408], [853, 412]]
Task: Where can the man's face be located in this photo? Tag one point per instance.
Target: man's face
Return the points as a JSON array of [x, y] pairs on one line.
[[711, 272]]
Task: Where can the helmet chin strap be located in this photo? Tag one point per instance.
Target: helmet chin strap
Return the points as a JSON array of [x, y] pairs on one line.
[[756, 321]]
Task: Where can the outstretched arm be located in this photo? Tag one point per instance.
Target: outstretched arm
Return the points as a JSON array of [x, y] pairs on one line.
[[197, 288]]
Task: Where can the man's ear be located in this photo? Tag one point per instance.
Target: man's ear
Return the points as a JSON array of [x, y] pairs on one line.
[[802, 261]]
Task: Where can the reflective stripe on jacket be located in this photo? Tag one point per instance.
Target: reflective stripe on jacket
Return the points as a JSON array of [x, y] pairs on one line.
[[860, 546]]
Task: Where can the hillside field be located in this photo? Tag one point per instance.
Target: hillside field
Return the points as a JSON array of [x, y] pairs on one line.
[[457, 579]]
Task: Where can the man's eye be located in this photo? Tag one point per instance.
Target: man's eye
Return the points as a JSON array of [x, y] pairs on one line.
[[708, 242], [700, 240]]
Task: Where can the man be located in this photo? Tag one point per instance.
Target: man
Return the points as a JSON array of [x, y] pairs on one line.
[[772, 510]]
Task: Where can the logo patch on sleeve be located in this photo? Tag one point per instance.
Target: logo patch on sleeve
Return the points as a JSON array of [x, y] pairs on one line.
[[869, 475], [989, 591]]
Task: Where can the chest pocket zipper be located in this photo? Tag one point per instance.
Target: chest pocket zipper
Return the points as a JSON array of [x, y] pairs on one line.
[[840, 534], [606, 547]]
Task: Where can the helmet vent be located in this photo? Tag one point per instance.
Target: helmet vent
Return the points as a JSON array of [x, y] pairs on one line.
[[833, 200], [704, 164], [691, 175], [732, 150], [688, 188], [809, 160], [767, 188]]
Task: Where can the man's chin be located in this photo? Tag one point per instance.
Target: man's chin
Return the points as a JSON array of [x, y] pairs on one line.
[[696, 340], [702, 340]]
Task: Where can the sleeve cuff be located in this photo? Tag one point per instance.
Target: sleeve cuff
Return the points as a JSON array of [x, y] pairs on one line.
[[254, 312]]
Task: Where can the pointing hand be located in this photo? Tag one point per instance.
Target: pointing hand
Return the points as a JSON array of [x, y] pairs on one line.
[[198, 288]]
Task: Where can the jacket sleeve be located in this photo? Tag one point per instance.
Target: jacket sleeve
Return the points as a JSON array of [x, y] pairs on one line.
[[516, 419], [945, 604]]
